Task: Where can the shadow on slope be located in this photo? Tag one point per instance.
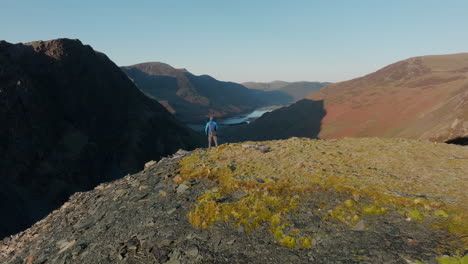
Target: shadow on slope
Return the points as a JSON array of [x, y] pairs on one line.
[[302, 119], [458, 141]]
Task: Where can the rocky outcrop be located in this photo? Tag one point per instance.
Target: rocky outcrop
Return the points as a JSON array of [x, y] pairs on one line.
[[70, 119], [301, 201], [192, 98]]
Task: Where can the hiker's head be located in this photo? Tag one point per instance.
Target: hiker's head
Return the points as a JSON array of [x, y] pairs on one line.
[[211, 118]]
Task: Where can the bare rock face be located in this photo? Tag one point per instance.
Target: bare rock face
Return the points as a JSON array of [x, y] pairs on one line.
[[71, 119], [303, 201]]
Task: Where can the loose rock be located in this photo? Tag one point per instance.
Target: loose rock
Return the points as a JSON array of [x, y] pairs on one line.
[[182, 188]]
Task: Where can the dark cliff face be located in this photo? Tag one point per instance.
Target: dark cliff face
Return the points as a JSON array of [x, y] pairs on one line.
[[70, 118], [191, 98]]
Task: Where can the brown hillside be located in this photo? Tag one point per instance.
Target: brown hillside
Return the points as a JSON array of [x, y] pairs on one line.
[[423, 97]]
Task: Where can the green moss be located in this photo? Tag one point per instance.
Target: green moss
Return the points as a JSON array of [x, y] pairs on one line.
[[373, 209], [453, 260], [441, 213], [415, 214], [349, 203], [288, 241], [306, 242], [275, 220], [251, 211]]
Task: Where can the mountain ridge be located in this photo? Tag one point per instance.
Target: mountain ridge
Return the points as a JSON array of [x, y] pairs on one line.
[[297, 90], [192, 98]]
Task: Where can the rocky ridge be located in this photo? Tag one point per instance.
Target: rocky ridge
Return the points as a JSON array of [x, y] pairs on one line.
[[293, 201]]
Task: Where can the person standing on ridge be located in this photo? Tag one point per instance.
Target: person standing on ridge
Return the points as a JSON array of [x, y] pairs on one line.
[[211, 130]]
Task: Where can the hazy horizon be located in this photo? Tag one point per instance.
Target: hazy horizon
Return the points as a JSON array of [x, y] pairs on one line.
[[249, 41]]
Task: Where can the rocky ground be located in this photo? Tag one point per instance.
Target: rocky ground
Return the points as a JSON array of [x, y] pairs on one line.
[[292, 201]]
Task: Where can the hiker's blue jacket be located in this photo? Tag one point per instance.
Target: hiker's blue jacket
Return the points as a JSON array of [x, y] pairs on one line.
[[210, 127]]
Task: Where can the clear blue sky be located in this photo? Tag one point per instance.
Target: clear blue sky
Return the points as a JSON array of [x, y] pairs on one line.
[[237, 40]]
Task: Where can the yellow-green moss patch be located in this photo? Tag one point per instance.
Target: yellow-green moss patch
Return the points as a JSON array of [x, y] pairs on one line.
[[453, 260]]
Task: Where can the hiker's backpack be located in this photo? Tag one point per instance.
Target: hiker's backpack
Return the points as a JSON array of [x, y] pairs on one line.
[[212, 126]]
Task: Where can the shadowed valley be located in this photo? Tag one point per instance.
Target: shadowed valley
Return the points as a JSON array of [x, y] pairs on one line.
[[192, 98]]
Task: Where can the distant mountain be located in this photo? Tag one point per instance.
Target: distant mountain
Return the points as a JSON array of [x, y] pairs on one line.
[[297, 90], [191, 98], [70, 119], [266, 86], [422, 98]]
